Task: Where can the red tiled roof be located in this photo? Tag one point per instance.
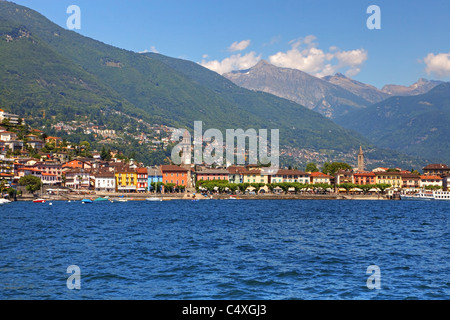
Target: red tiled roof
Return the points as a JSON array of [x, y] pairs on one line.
[[430, 177], [320, 174], [142, 170], [172, 168], [439, 166]]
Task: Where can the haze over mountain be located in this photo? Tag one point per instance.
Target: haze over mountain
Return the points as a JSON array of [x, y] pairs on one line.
[[417, 125], [314, 93]]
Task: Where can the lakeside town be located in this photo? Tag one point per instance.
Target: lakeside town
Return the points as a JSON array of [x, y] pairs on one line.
[[33, 164]]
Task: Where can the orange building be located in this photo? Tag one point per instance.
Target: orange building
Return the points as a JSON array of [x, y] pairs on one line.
[[362, 178], [174, 174]]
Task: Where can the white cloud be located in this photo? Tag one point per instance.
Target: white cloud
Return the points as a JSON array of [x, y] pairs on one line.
[[152, 49], [305, 55], [438, 64], [239, 46], [235, 62]]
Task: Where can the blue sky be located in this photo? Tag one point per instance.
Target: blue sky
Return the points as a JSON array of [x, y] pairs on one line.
[[320, 37]]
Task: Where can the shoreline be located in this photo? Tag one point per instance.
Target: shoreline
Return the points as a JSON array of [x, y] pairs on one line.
[[189, 197]]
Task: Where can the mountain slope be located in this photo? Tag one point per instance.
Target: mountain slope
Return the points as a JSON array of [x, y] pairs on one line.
[[416, 125], [365, 91], [314, 93], [170, 97], [33, 75], [420, 87]]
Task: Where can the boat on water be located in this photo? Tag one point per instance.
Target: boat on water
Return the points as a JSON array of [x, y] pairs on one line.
[[4, 201], [87, 201], [39, 201], [154, 199], [118, 200], [427, 195], [101, 199]]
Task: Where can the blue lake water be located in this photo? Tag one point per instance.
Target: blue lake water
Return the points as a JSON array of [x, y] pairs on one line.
[[226, 250]]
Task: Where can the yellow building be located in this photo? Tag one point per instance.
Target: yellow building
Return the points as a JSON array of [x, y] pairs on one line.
[[392, 178], [254, 176], [126, 179]]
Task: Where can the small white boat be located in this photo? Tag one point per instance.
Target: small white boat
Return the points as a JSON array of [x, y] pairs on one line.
[[4, 201], [153, 199]]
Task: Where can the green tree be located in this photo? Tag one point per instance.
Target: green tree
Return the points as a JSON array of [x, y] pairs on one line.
[[311, 167], [383, 187], [257, 186], [32, 183], [332, 168], [232, 187], [366, 187], [347, 186]]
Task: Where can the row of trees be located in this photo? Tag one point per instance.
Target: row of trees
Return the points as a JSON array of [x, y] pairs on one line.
[[222, 186]]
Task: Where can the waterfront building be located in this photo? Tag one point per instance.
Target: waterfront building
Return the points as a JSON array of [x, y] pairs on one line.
[[105, 181], [344, 176], [235, 174], [364, 178], [254, 175], [392, 178], [285, 175], [212, 174], [319, 177], [174, 174], [410, 181], [436, 170], [154, 175], [78, 179], [126, 179], [428, 180], [51, 172], [142, 179]]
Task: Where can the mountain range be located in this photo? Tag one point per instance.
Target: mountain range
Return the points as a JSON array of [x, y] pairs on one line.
[[45, 67], [332, 96]]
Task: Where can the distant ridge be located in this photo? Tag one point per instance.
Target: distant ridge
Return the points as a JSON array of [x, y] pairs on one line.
[[420, 87], [316, 94], [365, 91]]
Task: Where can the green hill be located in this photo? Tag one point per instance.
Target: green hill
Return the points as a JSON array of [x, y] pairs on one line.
[[416, 125]]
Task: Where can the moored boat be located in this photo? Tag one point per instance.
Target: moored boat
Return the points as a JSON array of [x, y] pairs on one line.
[[428, 195], [39, 201], [4, 201], [87, 201], [154, 199]]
